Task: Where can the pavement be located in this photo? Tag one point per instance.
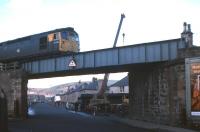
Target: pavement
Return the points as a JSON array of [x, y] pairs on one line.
[[143, 124], [150, 126]]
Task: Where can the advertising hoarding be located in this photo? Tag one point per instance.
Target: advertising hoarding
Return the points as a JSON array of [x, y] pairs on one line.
[[192, 73]]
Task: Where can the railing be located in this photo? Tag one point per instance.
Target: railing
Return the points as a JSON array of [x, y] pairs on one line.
[[9, 66]]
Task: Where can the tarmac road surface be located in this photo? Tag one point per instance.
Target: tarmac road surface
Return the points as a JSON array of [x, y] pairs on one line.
[[47, 118]]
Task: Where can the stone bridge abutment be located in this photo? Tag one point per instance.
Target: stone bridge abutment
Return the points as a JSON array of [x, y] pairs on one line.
[[157, 94], [14, 84]]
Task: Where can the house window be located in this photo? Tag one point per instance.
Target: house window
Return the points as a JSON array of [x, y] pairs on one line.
[[43, 42]]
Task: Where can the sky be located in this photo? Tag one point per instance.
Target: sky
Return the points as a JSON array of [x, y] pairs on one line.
[[96, 22]]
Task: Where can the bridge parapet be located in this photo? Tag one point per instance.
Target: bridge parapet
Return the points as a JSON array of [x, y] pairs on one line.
[[189, 52], [153, 52]]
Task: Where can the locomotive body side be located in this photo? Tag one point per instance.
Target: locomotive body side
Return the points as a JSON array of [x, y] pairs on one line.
[[16, 48], [43, 44]]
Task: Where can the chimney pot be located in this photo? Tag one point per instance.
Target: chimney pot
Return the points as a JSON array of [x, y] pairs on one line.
[[184, 27], [189, 28]]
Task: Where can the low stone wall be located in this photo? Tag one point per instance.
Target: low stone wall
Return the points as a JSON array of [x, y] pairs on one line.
[[158, 94], [14, 83]]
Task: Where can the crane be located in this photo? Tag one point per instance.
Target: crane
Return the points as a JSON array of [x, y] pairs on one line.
[[100, 97], [106, 76], [118, 30]]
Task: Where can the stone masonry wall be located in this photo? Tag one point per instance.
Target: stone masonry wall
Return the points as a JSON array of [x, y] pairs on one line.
[[158, 94], [14, 84]]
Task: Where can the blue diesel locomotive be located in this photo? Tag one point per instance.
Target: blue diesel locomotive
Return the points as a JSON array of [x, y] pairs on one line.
[[55, 42]]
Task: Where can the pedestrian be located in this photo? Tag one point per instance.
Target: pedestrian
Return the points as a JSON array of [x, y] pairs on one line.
[[94, 110], [67, 106]]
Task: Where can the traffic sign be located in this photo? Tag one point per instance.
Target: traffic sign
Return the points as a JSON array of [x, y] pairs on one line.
[[72, 63]]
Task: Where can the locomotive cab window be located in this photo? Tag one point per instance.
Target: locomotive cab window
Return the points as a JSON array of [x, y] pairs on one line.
[[64, 35], [43, 43], [55, 36]]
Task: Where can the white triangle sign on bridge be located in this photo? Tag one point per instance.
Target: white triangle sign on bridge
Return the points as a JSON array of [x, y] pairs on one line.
[[72, 63]]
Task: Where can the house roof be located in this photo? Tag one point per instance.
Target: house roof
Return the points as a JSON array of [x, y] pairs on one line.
[[120, 83], [86, 95], [84, 86], [89, 86]]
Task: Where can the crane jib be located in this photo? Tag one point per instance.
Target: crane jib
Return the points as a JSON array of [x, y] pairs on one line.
[[118, 30]]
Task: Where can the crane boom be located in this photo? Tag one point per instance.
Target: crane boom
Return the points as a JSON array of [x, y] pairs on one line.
[[118, 30], [100, 97], [103, 85], [106, 76]]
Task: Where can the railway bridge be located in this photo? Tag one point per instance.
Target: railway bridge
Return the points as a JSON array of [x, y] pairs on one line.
[[160, 77]]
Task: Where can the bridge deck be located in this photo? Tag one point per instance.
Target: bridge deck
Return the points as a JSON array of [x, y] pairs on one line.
[[133, 54]]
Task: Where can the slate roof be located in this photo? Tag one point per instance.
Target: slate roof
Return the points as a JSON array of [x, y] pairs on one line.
[[120, 83], [84, 86], [89, 86]]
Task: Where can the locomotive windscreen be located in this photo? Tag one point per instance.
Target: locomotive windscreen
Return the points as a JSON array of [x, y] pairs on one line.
[[69, 36], [64, 35]]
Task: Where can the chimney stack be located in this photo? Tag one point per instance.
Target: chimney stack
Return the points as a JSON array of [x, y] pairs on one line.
[[187, 35]]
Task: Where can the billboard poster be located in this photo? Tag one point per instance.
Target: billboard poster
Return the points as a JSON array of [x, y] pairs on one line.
[[195, 88]]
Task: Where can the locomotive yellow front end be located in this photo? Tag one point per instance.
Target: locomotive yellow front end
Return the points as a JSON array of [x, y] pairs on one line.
[[68, 46], [67, 40]]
